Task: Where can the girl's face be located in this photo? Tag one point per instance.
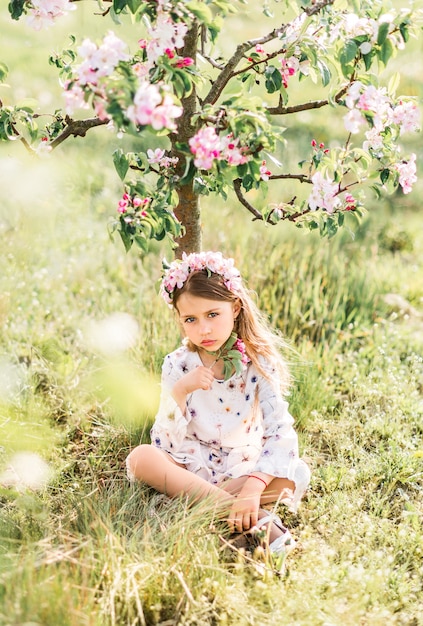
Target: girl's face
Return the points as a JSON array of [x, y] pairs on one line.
[[207, 323]]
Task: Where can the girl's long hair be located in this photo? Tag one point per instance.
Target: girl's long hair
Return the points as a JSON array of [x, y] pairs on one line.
[[251, 326]]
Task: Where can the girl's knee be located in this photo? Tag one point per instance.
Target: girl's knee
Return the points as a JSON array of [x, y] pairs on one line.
[[138, 459]]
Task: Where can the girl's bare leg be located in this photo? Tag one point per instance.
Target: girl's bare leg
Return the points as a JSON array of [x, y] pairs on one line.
[[156, 468]]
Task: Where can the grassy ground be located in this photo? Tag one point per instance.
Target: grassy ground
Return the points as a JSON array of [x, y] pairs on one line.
[[88, 549]]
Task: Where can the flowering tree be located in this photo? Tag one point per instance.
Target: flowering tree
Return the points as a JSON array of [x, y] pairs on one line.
[[222, 114]]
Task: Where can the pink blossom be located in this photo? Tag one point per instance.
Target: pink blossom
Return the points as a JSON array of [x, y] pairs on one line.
[[100, 110], [350, 202], [179, 270], [163, 116], [205, 145], [43, 147], [127, 202], [264, 172], [374, 140], [185, 62], [100, 60], [155, 156], [260, 49], [159, 156], [74, 98], [122, 206], [324, 193], [361, 98], [240, 346], [167, 36], [288, 69], [407, 116], [353, 121], [150, 107], [43, 13], [232, 152], [407, 173], [140, 69]]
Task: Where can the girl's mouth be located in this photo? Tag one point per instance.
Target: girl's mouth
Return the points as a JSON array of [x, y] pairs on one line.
[[207, 342]]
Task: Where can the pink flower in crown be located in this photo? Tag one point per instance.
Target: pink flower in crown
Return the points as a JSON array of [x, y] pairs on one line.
[[179, 270]]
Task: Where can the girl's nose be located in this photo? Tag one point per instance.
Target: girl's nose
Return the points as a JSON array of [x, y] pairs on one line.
[[205, 328]]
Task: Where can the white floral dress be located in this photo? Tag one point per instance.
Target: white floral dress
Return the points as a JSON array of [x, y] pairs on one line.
[[239, 426]]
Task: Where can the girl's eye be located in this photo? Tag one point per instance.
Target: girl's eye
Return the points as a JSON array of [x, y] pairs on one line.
[[213, 314], [189, 320]]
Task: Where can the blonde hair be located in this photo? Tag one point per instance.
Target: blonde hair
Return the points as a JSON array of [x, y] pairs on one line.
[[261, 341]]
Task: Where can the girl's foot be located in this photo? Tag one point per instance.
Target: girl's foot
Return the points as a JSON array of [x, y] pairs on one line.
[[280, 540]]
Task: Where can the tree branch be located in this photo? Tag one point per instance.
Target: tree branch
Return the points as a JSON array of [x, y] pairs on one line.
[[303, 178], [237, 188], [305, 106], [227, 72], [21, 139], [77, 128], [291, 217], [317, 7]]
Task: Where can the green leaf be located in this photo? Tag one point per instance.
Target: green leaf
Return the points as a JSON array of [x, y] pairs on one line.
[[4, 70], [126, 239], [182, 83], [368, 58], [382, 33], [141, 242], [349, 52], [134, 5], [404, 31], [331, 227], [119, 5], [16, 8], [201, 11], [273, 79], [324, 72], [121, 163], [386, 51], [384, 175]]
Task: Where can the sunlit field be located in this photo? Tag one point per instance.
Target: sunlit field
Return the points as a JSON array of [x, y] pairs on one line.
[[83, 335]]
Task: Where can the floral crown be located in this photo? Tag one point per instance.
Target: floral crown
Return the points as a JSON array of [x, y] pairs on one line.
[[178, 271]]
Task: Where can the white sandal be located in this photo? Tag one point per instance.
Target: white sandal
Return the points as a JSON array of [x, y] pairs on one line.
[[283, 544]]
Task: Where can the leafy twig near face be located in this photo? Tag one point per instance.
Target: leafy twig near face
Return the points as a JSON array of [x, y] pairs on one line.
[[233, 355]]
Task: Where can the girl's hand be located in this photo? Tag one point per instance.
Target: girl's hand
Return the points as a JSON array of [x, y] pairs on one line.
[[244, 511], [200, 378]]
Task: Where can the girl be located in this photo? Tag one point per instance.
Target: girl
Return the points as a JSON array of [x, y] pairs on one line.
[[223, 430]]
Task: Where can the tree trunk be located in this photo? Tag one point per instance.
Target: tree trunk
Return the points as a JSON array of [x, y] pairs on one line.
[[188, 208]]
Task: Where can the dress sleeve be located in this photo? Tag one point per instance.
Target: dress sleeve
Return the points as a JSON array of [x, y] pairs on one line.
[[279, 455], [170, 425]]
